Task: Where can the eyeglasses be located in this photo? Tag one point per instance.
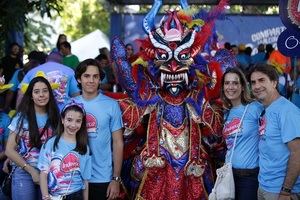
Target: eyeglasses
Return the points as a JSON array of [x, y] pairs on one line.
[[260, 119]]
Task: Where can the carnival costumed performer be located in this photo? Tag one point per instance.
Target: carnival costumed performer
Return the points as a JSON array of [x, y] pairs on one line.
[[172, 85]]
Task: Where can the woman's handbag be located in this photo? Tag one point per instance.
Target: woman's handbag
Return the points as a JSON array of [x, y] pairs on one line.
[[224, 188], [60, 197], [6, 185]]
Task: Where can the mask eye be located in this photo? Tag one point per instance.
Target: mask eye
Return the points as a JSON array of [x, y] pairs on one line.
[[161, 54], [184, 56]]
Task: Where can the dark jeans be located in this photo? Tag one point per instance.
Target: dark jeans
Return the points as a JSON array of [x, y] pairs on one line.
[[246, 183], [97, 191], [75, 196]]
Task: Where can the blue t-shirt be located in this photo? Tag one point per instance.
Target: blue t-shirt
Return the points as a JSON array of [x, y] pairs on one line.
[[66, 168], [103, 118], [258, 58], [296, 94], [245, 154], [29, 154], [14, 80], [56, 73], [279, 125], [4, 131]]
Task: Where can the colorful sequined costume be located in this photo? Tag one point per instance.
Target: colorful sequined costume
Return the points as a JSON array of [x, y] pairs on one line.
[[173, 85]]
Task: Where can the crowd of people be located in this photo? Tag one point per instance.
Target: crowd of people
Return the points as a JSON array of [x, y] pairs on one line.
[[66, 136]]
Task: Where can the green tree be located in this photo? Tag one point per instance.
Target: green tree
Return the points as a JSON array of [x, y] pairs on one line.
[[84, 16], [13, 15], [37, 35]]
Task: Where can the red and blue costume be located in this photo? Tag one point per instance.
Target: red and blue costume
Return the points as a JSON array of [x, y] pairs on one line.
[[173, 88]]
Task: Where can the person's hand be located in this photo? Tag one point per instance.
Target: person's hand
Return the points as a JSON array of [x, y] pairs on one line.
[[34, 174], [284, 197], [113, 190], [2, 80], [5, 167]]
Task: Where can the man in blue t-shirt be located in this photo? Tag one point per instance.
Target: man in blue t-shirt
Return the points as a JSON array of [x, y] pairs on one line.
[[105, 130], [279, 152], [55, 73]]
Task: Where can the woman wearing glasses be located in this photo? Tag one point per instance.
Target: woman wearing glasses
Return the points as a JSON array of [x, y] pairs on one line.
[[241, 117]]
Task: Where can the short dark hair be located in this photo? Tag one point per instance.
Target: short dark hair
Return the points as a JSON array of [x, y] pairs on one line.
[[227, 45], [261, 48], [101, 57], [82, 67], [266, 69], [66, 44], [38, 56], [14, 44]]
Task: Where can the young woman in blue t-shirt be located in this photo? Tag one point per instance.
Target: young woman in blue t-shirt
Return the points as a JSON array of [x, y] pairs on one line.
[[65, 160], [37, 116], [237, 101]]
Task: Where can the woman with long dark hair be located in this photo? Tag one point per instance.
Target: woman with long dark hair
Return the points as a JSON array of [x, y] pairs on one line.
[[37, 116], [241, 132], [65, 161]]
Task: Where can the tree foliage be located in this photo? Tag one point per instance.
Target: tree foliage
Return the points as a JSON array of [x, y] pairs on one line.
[[37, 35], [14, 15], [84, 16]]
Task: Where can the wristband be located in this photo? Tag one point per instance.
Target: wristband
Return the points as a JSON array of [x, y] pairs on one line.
[[286, 190], [25, 165], [46, 197], [118, 179]]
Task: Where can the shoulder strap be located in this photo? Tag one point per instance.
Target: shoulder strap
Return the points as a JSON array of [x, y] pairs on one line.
[[239, 127]]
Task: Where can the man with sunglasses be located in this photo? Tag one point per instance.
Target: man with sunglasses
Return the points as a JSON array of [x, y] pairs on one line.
[[279, 145]]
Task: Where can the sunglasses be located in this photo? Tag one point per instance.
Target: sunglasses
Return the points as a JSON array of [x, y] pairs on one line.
[[260, 119]]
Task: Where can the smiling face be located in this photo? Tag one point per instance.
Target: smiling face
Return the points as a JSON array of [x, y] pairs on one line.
[[40, 95], [72, 122], [232, 88], [90, 81], [263, 88]]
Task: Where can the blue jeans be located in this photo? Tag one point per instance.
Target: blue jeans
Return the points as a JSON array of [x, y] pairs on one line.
[[23, 187], [246, 183]]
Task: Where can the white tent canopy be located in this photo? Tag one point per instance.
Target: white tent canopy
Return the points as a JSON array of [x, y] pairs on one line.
[[88, 46]]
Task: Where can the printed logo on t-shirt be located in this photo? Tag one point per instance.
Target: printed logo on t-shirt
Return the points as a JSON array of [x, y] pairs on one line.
[[91, 124], [60, 171], [47, 134], [231, 128], [69, 163], [24, 146], [62, 80], [262, 125]]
